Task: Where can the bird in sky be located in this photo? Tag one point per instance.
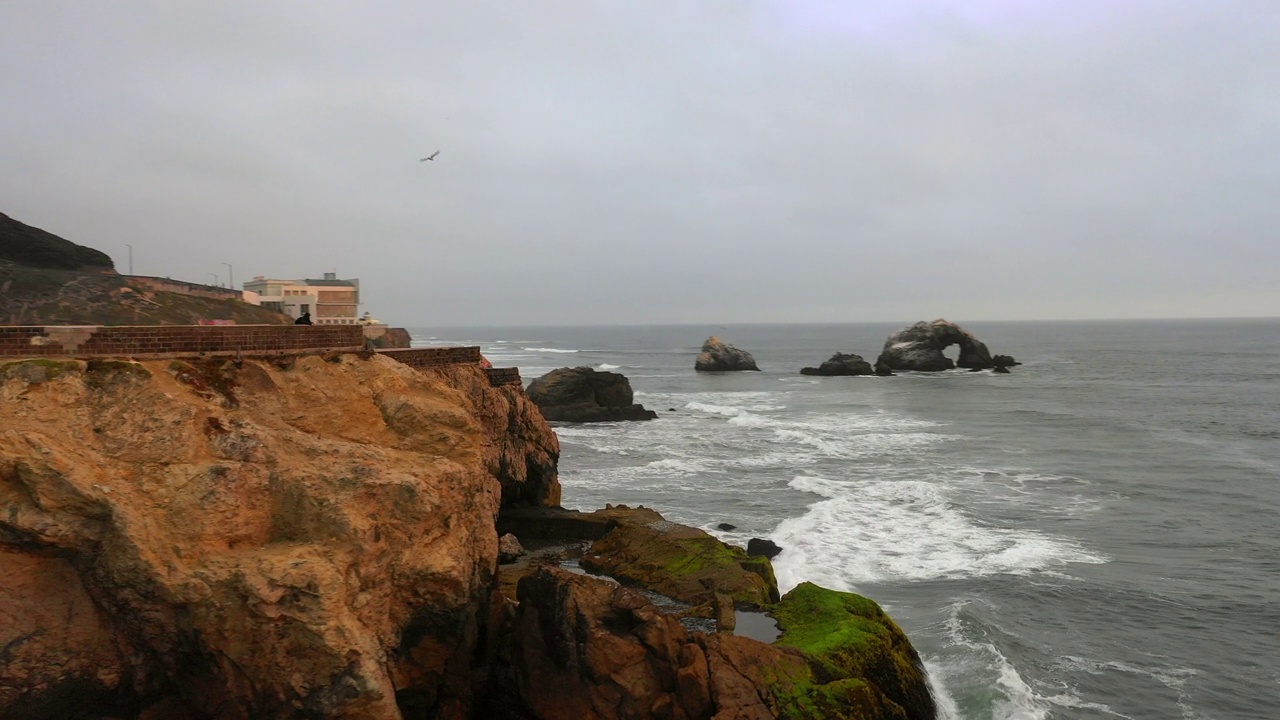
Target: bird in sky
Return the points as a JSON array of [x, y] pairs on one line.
[[432, 156]]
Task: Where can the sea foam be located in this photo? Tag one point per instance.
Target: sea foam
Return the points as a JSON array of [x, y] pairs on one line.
[[867, 530]]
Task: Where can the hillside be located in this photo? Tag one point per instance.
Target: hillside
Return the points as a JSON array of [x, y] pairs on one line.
[[48, 280], [25, 245]]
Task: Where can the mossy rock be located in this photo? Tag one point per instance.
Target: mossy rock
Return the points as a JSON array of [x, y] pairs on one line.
[[681, 562], [37, 370], [849, 636], [847, 699], [100, 374]]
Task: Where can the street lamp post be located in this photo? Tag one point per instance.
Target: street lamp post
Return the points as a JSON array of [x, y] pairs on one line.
[[231, 279], [130, 257], [215, 278]]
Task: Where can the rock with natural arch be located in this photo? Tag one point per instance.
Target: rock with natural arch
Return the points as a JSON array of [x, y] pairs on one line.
[[920, 346]]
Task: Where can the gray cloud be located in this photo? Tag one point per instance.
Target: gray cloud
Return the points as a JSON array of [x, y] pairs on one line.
[[666, 162]]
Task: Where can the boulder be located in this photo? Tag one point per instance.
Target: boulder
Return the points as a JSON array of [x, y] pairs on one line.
[[509, 549], [760, 546], [1003, 361], [920, 347], [718, 356], [840, 364], [584, 394]]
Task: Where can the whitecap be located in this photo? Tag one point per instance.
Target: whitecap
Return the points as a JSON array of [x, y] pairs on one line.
[[866, 531], [982, 664], [548, 350], [607, 366]]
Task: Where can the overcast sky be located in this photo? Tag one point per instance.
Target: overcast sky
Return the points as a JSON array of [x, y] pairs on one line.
[[665, 162]]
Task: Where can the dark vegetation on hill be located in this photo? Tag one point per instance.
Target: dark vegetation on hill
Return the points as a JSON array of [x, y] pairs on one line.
[[47, 280], [20, 243]]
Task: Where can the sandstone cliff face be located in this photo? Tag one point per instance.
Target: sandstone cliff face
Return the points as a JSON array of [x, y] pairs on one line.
[[313, 538]]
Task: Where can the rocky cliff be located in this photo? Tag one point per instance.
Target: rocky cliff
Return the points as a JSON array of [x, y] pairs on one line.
[[309, 538], [316, 537]]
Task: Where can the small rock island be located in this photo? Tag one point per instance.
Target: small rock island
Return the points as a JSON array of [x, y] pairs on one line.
[[840, 364], [719, 356], [919, 347], [583, 394]]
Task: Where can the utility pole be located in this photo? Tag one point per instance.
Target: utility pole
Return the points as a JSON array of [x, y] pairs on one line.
[[130, 257], [231, 279]]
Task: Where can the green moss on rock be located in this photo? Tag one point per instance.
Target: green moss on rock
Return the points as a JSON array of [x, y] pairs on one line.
[[100, 374], [849, 636], [847, 699], [37, 370], [679, 561]]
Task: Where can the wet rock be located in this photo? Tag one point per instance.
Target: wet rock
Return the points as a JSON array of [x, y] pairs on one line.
[[718, 356], [760, 546], [726, 527], [584, 394], [840, 364]]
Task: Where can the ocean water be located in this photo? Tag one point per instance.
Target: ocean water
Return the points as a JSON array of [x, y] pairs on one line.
[[1096, 535]]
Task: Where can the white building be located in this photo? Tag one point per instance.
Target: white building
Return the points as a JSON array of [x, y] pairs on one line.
[[330, 301]]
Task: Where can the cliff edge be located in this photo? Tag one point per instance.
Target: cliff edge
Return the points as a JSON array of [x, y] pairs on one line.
[[312, 537]]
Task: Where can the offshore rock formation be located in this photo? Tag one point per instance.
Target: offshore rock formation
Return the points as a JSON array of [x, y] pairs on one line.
[[840, 364], [583, 394], [208, 539], [920, 346], [717, 356]]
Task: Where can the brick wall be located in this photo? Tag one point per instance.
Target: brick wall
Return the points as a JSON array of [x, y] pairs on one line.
[[434, 356], [153, 340], [504, 376]]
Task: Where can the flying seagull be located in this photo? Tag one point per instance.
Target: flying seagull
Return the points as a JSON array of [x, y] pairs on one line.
[[432, 156]]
